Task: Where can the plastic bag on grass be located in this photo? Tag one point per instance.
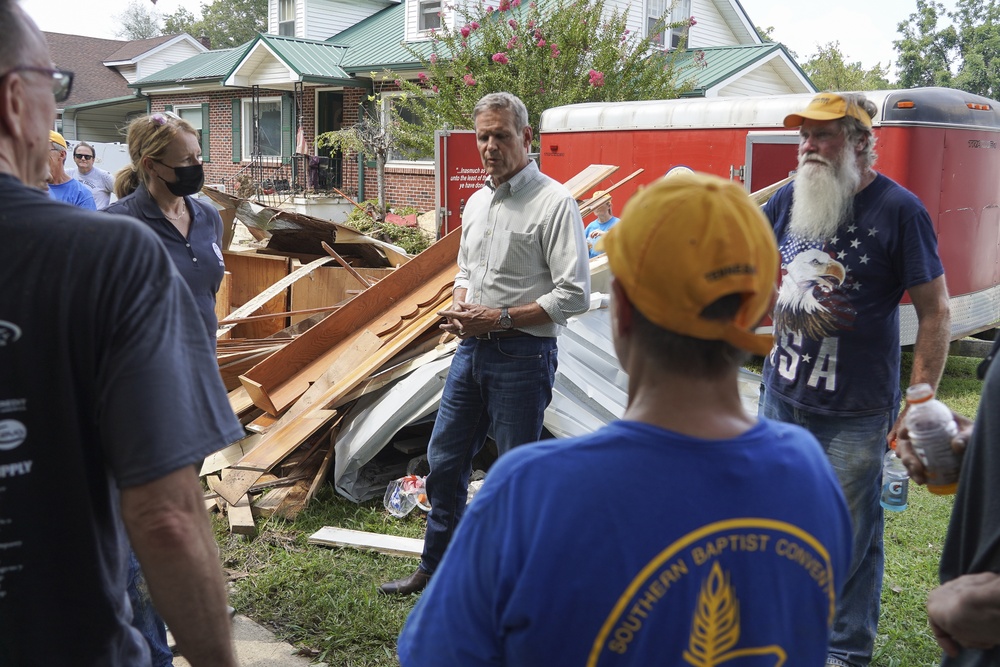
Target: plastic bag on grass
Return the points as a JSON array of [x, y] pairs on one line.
[[405, 493]]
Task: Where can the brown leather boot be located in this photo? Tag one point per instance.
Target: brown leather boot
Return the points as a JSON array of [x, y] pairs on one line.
[[407, 585]]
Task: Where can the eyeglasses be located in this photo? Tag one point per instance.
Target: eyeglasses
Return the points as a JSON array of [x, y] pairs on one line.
[[62, 80], [78, 156]]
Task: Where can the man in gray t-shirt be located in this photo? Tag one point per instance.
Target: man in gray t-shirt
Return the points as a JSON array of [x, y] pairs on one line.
[[100, 182]]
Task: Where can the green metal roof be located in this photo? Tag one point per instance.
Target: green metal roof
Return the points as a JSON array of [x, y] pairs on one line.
[[377, 42], [722, 63], [313, 60], [208, 66]]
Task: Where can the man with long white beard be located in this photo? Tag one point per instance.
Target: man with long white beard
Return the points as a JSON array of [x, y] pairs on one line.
[[852, 242]]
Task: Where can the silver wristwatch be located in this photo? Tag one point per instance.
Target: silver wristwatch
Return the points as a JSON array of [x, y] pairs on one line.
[[506, 321]]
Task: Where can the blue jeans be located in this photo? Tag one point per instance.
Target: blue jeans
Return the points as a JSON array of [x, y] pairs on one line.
[[145, 619], [855, 447], [503, 384]]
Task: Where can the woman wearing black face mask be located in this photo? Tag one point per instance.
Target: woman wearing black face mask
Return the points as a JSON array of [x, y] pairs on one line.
[[156, 188]]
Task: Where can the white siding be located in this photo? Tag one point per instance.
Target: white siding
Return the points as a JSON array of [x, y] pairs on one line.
[[636, 12], [129, 72], [710, 28], [165, 58], [325, 18], [271, 71], [272, 17], [762, 81], [99, 125]]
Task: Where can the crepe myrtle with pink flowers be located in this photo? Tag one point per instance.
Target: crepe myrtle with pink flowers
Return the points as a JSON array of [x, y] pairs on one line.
[[548, 54]]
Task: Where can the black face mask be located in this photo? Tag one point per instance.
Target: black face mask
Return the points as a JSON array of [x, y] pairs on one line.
[[189, 179]]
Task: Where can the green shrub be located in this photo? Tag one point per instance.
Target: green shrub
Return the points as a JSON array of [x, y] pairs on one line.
[[411, 239]]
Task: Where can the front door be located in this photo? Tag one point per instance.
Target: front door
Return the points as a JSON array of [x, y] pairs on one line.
[[329, 116]]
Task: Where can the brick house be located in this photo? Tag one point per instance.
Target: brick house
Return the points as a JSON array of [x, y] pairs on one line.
[[259, 106], [102, 103]]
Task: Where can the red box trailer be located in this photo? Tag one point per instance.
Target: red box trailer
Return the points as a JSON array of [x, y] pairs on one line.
[[941, 144]]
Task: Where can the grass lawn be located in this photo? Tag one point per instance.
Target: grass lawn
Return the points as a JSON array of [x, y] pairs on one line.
[[325, 601]]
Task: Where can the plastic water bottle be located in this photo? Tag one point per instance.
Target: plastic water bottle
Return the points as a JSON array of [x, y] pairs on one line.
[[932, 428], [895, 482]]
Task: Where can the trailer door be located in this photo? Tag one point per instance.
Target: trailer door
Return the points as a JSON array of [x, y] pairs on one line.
[[460, 173], [770, 157]]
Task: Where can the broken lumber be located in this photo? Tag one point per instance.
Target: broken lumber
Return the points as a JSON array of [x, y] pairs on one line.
[[253, 304], [588, 179], [284, 439], [588, 206], [276, 382]]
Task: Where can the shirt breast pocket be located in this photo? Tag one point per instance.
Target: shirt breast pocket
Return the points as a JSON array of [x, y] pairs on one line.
[[517, 253]]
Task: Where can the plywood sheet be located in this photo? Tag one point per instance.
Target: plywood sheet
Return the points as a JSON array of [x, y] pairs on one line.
[[251, 275], [330, 285]]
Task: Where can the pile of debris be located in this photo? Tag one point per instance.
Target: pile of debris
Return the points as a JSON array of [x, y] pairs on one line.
[[331, 391]]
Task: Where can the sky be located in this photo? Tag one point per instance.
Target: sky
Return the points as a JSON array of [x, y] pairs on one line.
[[94, 18], [864, 28]]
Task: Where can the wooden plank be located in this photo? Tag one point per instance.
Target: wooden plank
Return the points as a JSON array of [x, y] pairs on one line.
[[281, 378], [253, 273], [287, 431], [394, 545], [587, 207], [340, 260], [277, 288], [288, 501], [241, 518], [227, 456], [764, 194], [588, 179], [282, 440], [262, 423], [324, 467], [240, 401], [223, 298]]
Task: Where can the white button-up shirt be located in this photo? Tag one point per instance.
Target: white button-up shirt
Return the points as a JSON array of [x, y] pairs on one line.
[[522, 243]]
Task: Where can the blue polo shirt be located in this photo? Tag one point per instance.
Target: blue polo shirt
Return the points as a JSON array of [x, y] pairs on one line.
[[198, 257]]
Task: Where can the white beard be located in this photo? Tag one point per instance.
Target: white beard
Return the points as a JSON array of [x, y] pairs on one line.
[[824, 194]]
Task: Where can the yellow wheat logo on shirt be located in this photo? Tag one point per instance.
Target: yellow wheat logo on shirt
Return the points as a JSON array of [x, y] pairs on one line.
[[716, 626], [693, 578]]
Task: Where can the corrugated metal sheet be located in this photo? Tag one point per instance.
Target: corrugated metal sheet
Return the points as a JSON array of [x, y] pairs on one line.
[[204, 67], [720, 62]]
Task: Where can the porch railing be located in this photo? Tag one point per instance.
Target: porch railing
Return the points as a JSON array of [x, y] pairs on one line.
[[272, 183]]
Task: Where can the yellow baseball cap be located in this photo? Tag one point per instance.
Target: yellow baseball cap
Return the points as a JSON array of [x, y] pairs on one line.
[[686, 241], [57, 138], [828, 106]]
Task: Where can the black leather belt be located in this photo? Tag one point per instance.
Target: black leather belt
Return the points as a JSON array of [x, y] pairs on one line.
[[509, 333]]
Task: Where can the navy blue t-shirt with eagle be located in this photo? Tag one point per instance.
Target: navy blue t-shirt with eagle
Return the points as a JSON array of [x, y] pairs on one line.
[[836, 318]]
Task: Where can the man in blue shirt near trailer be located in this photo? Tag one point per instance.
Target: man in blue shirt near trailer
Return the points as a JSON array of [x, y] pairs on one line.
[[852, 242]]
